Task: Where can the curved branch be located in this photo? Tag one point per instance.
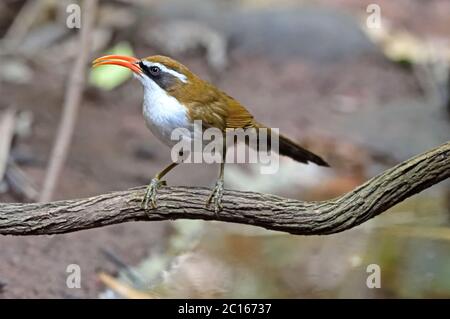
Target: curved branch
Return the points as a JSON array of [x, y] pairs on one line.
[[268, 211]]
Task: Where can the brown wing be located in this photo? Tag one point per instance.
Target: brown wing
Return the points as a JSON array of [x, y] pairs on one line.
[[216, 109], [212, 112], [238, 116]]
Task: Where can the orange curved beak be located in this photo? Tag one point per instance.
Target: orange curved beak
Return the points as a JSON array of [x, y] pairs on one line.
[[121, 60]]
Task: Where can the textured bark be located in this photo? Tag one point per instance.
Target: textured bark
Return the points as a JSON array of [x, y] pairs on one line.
[[268, 211]]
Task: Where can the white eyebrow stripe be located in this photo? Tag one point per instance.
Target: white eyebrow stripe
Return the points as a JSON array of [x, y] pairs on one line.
[[163, 68]]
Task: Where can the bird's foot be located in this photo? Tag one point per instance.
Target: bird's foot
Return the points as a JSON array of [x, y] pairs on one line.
[[150, 194], [216, 197]]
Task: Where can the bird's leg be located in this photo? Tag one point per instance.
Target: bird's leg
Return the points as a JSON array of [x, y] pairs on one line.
[[217, 192], [152, 188]]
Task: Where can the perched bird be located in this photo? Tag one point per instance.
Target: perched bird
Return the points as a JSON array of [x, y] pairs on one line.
[[174, 97]]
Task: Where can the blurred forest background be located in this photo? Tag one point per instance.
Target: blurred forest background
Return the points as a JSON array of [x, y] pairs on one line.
[[363, 98]]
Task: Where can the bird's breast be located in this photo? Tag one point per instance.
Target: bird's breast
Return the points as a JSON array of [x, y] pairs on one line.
[[163, 114]]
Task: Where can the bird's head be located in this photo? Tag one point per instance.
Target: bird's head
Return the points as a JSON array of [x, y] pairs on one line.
[[153, 72]]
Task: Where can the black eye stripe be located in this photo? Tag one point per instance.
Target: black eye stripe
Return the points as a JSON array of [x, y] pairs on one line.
[[164, 79], [152, 71], [143, 66]]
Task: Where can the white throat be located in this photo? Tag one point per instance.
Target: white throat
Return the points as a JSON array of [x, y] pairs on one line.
[[162, 112]]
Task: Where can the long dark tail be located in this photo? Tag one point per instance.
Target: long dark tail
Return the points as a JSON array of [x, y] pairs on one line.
[[298, 153], [294, 151]]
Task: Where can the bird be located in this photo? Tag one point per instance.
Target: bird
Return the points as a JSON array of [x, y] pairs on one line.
[[175, 97]]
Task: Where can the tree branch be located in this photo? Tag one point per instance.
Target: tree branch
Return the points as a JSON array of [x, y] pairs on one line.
[[268, 211], [72, 100]]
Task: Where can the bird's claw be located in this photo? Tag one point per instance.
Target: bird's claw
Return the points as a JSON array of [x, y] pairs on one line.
[[150, 194], [216, 195]]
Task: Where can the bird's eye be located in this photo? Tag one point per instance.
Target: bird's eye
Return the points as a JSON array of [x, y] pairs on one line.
[[154, 70]]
